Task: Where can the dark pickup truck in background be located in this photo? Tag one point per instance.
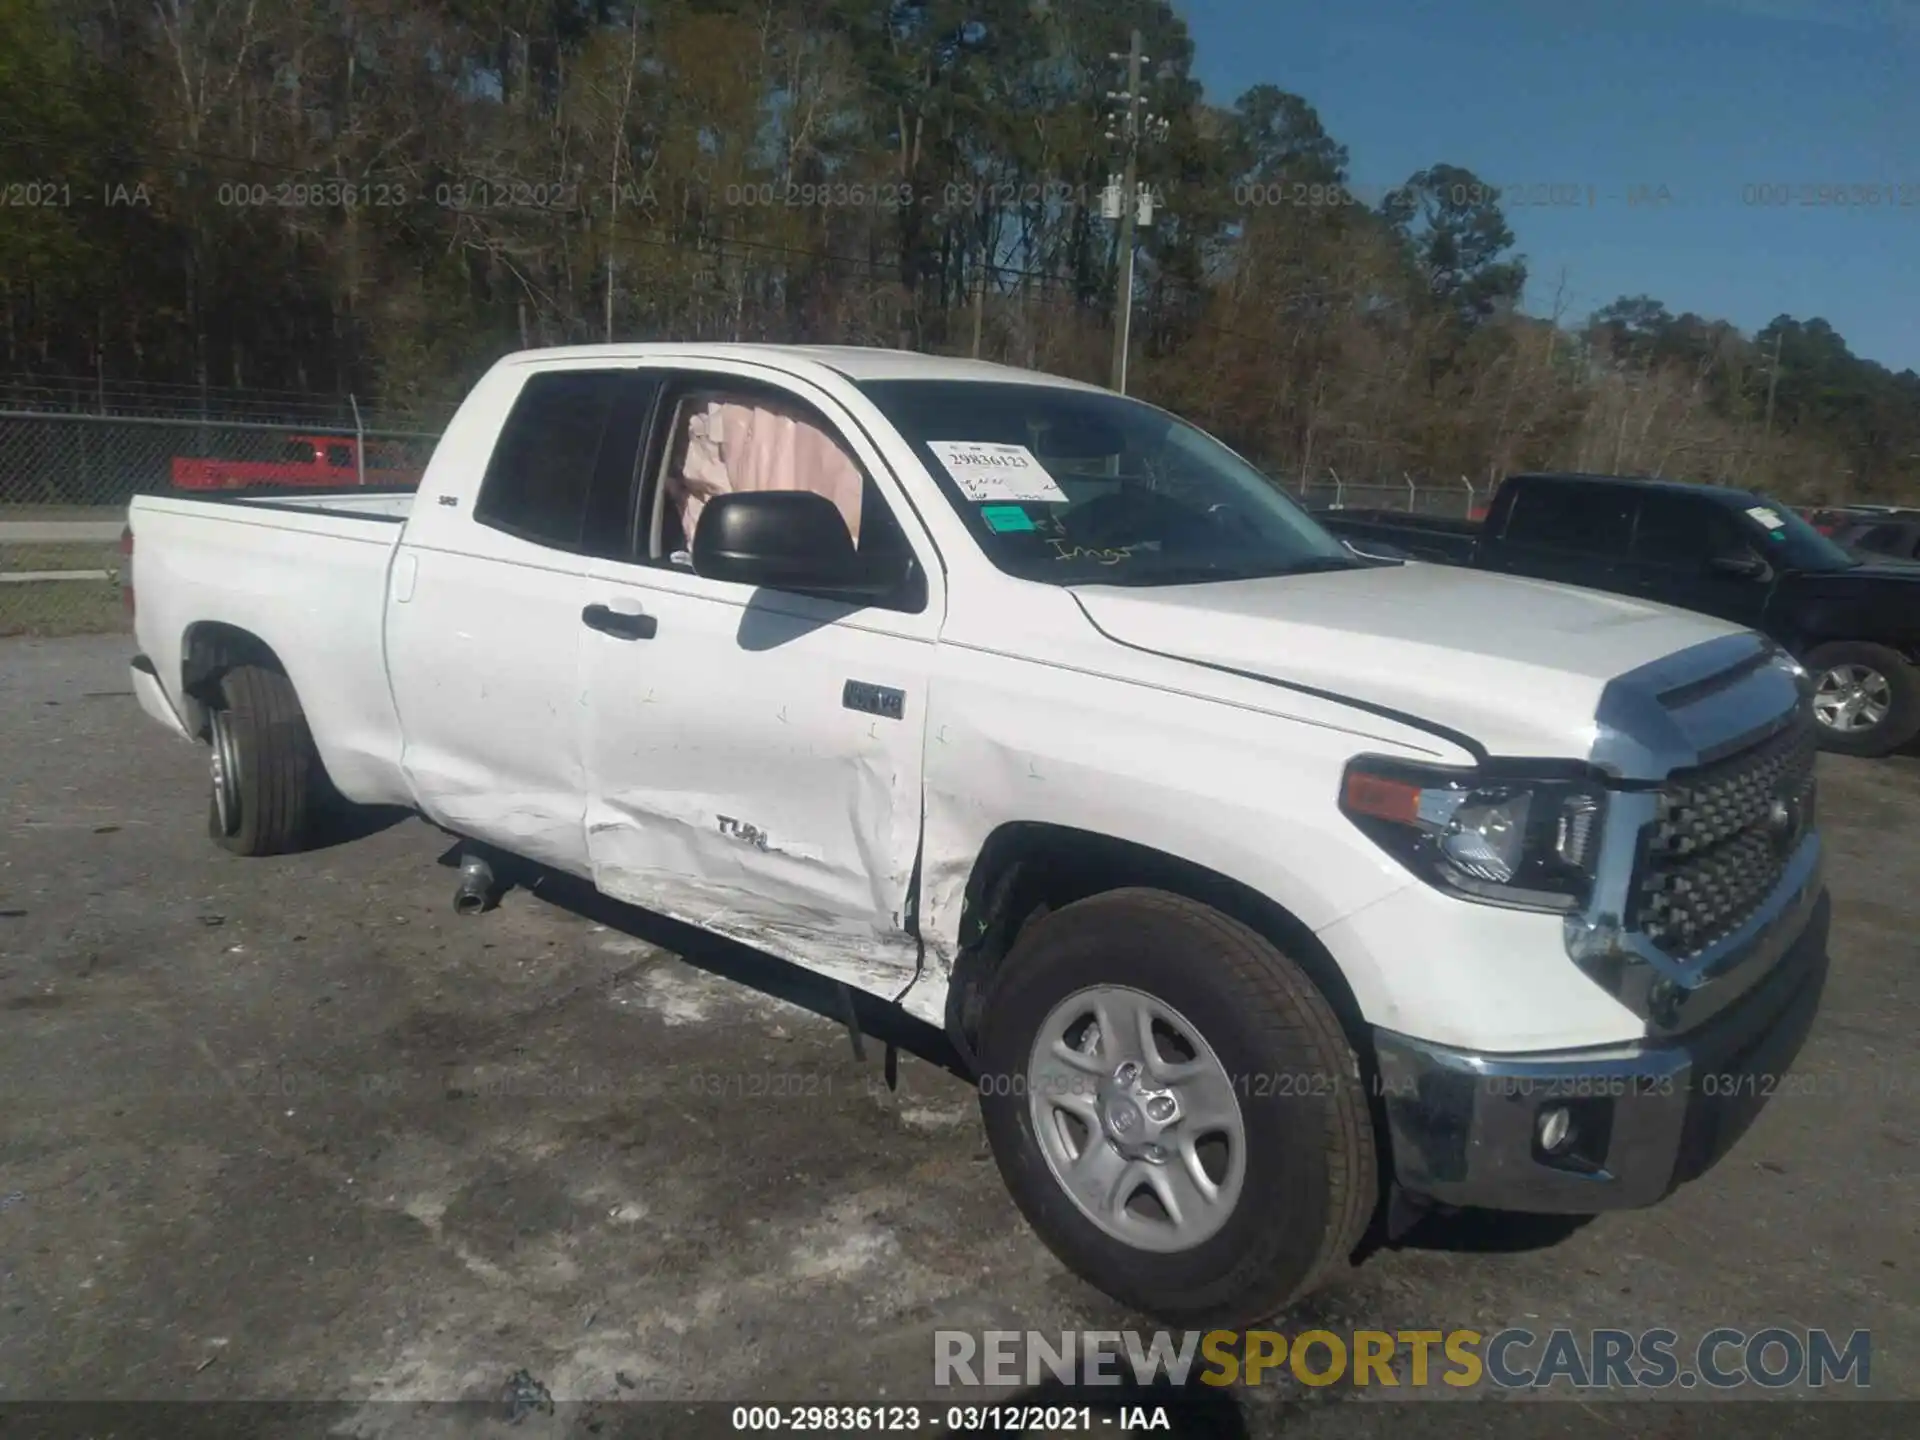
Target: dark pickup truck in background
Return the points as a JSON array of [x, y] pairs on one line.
[[1891, 536], [1730, 553]]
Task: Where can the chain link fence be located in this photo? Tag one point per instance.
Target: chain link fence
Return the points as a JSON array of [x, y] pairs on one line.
[[1458, 498], [66, 478]]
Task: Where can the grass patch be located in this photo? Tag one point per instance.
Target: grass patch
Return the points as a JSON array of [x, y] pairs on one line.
[[61, 607], [91, 555]]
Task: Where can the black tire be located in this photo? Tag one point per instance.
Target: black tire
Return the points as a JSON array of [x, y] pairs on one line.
[[1310, 1185], [1902, 720], [274, 765]]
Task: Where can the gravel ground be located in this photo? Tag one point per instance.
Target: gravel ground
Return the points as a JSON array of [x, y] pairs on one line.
[[290, 1129]]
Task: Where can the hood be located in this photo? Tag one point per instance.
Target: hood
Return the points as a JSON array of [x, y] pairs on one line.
[[1518, 665]]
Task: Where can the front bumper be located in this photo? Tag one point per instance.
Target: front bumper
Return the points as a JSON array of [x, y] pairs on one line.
[[1465, 1127]]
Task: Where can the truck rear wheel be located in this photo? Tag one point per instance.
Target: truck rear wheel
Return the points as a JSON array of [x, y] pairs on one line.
[[1175, 1108], [262, 764], [1865, 697]]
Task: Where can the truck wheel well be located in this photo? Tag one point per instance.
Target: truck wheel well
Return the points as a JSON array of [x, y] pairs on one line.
[[210, 650], [1027, 869]]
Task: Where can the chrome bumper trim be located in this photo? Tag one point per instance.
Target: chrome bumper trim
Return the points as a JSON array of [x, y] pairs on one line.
[[1463, 1126]]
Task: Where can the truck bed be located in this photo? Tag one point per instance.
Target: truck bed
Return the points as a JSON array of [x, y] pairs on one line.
[[386, 503], [306, 572]]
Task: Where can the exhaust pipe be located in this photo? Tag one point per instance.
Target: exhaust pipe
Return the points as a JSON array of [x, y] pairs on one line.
[[478, 891]]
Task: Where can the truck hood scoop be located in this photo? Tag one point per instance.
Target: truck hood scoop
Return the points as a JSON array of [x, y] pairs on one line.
[[1516, 665]]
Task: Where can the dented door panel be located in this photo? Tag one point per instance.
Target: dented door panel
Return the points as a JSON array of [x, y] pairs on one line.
[[754, 768]]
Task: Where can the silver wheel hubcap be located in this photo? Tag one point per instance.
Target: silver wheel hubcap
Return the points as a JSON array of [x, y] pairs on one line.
[[1852, 697], [1137, 1118], [224, 764]]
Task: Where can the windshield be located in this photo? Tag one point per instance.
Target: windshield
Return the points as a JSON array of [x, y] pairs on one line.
[[1792, 541], [1072, 487]]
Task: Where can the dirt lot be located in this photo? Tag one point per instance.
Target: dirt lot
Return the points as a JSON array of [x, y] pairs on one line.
[[292, 1129]]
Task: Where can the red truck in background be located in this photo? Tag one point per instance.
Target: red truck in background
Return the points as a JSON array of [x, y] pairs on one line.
[[1828, 520], [326, 461]]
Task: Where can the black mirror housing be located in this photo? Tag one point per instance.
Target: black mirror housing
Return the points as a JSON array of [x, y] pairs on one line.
[[1746, 567], [783, 540]]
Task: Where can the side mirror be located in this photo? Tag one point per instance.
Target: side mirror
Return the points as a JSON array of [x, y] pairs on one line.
[[784, 540], [1745, 566]]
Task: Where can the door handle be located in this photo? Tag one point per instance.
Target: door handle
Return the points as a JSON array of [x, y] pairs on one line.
[[618, 624]]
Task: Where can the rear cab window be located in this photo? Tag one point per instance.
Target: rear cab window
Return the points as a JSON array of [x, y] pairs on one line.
[[1586, 519], [563, 471]]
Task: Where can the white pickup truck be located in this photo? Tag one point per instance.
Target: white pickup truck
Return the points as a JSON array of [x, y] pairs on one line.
[[1263, 885]]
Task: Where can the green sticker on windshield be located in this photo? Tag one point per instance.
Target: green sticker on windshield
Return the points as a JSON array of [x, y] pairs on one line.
[[1002, 519]]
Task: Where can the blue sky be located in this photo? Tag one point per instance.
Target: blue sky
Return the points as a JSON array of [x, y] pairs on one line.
[[1705, 97]]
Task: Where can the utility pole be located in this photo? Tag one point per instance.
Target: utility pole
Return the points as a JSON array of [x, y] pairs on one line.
[[979, 307], [1129, 188], [1773, 379], [1126, 199]]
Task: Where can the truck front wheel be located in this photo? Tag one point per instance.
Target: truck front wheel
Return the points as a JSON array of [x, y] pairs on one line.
[[1175, 1108], [262, 764]]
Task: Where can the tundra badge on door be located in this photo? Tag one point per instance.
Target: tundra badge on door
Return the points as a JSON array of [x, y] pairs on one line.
[[740, 830], [879, 700]]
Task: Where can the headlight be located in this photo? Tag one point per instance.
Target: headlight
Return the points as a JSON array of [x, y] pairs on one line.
[[1520, 842]]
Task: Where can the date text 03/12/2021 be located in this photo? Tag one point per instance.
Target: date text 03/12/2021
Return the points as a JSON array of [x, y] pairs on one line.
[[948, 1419]]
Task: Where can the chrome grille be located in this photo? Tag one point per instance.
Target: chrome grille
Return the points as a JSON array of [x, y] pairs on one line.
[[1721, 836]]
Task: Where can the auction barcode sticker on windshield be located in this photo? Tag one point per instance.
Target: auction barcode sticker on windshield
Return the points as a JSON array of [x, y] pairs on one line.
[[997, 474], [1767, 517]]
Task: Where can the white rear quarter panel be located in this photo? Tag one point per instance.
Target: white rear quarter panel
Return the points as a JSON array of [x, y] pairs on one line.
[[311, 585]]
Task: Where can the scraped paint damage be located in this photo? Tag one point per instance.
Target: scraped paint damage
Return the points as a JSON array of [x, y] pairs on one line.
[[531, 825], [823, 890], [997, 788], [876, 963]]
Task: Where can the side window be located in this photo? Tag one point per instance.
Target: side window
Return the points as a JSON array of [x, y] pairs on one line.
[[296, 452], [719, 434], [1888, 540], [736, 439], [1588, 519], [542, 471], [339, 457], [1682, 532]]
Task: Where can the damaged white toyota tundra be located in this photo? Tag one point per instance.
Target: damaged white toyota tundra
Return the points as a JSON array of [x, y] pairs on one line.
[[1265, 888]]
